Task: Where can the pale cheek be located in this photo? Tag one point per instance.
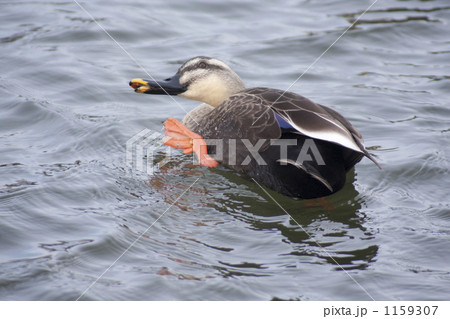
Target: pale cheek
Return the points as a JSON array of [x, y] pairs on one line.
[[210, 90]]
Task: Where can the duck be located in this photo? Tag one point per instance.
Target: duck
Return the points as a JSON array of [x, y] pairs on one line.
[[280, 139]]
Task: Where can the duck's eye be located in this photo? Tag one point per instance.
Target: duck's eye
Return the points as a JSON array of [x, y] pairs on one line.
[[202, 65]]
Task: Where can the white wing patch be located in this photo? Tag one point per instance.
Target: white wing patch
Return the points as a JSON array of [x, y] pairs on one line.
[[343, 137]]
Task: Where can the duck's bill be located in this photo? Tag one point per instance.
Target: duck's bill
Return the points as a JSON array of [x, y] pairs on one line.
[[169, 86]]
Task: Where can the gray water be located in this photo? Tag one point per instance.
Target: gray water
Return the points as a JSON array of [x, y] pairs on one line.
[[70, 206]]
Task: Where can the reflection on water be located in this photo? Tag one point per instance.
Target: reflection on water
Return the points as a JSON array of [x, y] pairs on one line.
[[314, 232]]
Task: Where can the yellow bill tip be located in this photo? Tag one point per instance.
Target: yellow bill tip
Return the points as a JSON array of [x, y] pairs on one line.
[[139, 85]]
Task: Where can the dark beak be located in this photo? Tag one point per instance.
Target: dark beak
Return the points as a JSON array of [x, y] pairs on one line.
[[170, 86]]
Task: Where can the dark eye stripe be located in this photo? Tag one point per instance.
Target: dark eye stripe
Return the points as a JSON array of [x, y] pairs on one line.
[[200, 65]]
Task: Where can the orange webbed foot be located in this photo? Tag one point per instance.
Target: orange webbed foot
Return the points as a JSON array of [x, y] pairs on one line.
[[179, 136]]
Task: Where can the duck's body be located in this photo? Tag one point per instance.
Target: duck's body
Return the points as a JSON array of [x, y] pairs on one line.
[[281, 139]]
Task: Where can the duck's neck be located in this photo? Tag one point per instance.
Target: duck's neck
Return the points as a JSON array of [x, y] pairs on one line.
[[193, 118]]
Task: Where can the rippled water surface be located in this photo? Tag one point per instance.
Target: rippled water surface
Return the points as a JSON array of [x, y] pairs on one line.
[[76, 221]]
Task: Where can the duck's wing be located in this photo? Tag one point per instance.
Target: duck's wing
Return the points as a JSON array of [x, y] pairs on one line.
[[233, 123], [313, 120], [242, 116], [353, 131]]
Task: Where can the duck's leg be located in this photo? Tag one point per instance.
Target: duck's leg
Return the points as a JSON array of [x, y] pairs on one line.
[[179, 136]]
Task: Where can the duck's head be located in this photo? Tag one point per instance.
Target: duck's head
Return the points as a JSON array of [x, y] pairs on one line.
[[201, 78]]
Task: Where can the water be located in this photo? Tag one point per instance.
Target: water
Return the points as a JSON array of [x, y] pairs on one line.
[[70, 206]]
